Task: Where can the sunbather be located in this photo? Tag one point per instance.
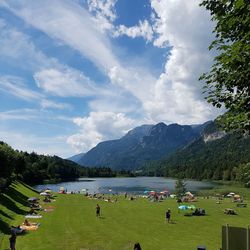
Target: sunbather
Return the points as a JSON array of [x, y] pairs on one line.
[[26, 222]]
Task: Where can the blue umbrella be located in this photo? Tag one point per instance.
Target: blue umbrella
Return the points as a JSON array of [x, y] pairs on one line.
[[183, 207]]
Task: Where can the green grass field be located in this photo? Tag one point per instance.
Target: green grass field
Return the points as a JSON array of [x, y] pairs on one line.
[[74, 226]]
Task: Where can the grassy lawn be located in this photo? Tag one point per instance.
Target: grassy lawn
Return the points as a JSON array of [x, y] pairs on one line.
[[73, 224]]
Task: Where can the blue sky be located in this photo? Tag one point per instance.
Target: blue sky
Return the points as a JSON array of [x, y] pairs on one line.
[[77, 72]]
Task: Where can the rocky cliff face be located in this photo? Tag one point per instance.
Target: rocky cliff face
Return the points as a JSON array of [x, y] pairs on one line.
[[213, 136]]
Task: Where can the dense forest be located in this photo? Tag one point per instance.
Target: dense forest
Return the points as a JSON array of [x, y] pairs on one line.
[[227, 158], [33, 168]]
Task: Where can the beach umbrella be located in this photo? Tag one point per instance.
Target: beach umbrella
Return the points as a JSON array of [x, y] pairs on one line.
[[33, 199], [44, 194], [189, 194]]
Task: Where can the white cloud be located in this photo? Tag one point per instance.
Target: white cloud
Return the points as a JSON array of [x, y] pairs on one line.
[[50, 75], [174, 97], [105, 15], [97, 127], [104, 12], [69, 23], [32, 143], [15, 86], [177, 93], [45, 104], [19, 114], [18, 48], [143, 29], [64, 82]]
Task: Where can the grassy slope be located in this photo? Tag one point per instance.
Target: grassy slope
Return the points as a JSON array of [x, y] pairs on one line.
[[73, 225], [13, 206]]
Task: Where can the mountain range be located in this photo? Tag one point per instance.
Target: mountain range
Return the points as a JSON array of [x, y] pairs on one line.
[[141, 145]]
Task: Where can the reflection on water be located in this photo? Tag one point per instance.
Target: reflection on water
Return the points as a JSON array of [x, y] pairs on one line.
[[121, 185]]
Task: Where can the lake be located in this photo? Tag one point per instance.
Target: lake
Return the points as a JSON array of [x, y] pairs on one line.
[[121, 185]]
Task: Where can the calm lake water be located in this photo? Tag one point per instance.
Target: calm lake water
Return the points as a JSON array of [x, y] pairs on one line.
[[121, 185]]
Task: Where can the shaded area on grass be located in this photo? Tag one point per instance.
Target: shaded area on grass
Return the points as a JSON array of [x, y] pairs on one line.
[[29, 187], [11, 205], [4, 227], [6, 215], [17, 196]]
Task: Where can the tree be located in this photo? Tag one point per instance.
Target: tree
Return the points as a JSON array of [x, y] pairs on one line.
[[227, 83], [180, 188]]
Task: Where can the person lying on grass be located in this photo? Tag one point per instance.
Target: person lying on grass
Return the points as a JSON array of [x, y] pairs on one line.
[[27, 223]]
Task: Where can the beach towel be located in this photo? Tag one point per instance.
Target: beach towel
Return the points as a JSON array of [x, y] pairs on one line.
[[33, 216], [30, 228]]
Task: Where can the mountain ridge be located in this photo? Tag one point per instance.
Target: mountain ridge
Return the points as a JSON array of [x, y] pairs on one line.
[[141, 145]]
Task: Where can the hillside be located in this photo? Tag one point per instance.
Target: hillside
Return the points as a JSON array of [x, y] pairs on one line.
[[33, 168], [212, 156], [13, 206], [141, 145], [76, 158]]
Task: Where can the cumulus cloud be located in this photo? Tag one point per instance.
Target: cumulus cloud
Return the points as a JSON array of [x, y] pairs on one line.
[[187, 28], [143, 29], [97, 127], [105, 15], [104, 12]]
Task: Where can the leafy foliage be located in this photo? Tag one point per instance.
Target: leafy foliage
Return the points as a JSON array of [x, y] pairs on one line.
[[180, 188], [227, 83], [33, 168]]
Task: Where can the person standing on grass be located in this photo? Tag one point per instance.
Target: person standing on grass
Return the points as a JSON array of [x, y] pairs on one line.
[[168, 215], [98, 210], [12, 240], [137, 246]]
